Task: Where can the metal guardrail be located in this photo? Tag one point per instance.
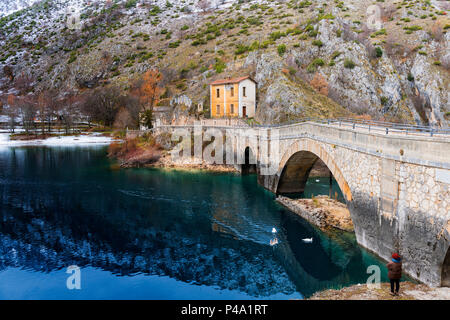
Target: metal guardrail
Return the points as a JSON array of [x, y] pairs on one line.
[[370, 125]]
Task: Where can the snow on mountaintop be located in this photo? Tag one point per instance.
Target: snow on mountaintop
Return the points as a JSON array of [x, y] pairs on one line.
[[10, 6]]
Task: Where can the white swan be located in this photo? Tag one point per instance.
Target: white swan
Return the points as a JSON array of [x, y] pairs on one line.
[[274, 230], [308, 240]]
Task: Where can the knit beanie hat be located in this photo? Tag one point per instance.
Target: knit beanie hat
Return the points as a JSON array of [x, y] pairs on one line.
[[396, 256]]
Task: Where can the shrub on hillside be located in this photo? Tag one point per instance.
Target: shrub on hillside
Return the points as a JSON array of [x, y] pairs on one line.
[[317, 43], [219, 66], [312, 67], [378, 52], [281, 49], [349, 64], [130, 4]]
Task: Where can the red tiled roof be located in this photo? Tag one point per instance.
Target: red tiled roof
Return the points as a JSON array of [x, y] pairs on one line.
[[231, 80]]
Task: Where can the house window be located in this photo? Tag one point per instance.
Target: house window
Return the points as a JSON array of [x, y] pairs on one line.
[[244, 93], [232, 108], [218, 109], [232, 92], [218, 93]]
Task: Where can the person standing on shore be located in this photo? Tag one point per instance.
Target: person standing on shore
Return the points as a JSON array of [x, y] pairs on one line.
[[395, 273]]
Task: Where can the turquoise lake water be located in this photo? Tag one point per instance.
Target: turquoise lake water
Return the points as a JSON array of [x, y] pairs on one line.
[[157, 234]]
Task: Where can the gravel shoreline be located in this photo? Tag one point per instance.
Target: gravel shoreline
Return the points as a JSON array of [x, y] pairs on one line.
[[321, 211], [165, 162], [408, 291]]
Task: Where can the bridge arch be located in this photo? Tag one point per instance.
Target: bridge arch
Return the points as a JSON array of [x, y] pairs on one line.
[[250, 161], [297, 162]]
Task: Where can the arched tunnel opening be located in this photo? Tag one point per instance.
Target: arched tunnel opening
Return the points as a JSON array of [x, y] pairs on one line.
[[302, 179], [445, 277], [249, 166], [322, 182], [305, 175]]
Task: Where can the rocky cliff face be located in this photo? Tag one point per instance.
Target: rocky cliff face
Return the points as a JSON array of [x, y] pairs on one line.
[[310, 58]]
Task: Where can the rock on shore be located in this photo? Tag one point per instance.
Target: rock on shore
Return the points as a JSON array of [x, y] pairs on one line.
[[191, 164], [320, 211]]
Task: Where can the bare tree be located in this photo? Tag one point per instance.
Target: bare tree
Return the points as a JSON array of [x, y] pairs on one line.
[[134, 107], [86, 107], [69, 112], [45, 114], [53, 108], [12, 111], [102, 105], [28, 111]]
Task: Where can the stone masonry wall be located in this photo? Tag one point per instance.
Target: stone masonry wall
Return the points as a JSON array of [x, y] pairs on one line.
[[395, 207]]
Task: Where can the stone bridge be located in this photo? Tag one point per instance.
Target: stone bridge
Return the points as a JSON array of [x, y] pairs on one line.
[[396, 185]]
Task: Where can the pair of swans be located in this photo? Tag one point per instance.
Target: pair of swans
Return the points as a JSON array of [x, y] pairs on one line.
[[306, 240]]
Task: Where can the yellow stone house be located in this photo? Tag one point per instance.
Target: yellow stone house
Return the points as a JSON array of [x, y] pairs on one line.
[[233, 98]]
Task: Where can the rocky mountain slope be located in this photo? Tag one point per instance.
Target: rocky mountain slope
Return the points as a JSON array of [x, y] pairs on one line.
[[310, 58]]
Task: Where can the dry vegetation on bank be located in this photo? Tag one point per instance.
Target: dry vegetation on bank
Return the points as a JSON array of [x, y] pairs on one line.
[[136, 152], [147, 151]]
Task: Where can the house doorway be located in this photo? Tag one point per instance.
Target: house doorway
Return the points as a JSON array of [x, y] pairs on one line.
[[244, 111]]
